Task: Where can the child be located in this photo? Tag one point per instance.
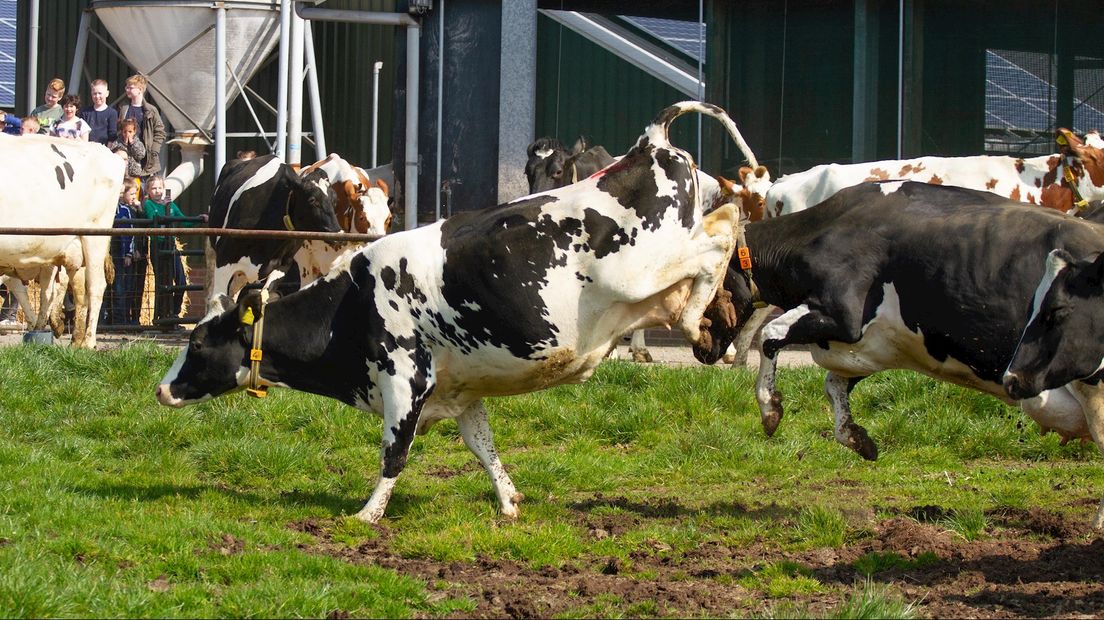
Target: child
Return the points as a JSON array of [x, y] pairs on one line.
[[122, 256], [102, 118], [151, 129], [70, 125], [13, 125], [135, 150], [167, 268], [48, 113], [30, 125]]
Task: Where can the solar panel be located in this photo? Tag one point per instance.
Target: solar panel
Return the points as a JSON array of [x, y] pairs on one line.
[[7, 53], [682, 35]]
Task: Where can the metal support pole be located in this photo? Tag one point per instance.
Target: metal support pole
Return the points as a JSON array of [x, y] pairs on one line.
[[440, 103], [220, 88], [282, 83], [375, 108], [295, 94], [73, 86], [32, 59], [410, 192], [320, 150]]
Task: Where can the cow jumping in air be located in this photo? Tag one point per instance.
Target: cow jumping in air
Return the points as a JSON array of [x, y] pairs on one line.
[[421, 325], [928, 278]]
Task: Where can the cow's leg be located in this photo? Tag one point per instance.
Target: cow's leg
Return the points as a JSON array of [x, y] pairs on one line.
[[746, 338], [767, 395], [95, 257], [77, 282], [19, 289], [639, 348], [799, 325], [477, 434], [402, 406], [1091, 398], [838, 389]]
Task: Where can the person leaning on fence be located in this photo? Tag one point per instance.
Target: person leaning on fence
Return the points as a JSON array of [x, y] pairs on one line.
[[49, 112], [70, 125], [151, 130], [102, 118], [139, 263], [129, 142], [168, 270], [122, 257]]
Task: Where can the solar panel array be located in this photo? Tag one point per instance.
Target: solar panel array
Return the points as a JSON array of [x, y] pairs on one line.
[[7, 53], [687, 37], [1020, 100]]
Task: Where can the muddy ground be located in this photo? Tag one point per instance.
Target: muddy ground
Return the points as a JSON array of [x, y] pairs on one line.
[[1030, 564]]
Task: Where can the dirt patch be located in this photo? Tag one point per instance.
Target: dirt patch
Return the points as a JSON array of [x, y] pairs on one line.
[[1032, 563]]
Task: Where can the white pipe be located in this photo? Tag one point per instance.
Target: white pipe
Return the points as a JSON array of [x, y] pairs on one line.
[[375, 108], [295, 93], [320, 150], [440, 102], [220, 91], [410, 192], [78, 54], [193, 147], [282, 83], [32, 59]]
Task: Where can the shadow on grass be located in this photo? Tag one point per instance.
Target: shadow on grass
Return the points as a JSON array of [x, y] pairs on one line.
[[336, 504], [666, 508]]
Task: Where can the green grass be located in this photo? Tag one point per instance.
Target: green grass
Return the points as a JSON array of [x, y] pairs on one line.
[[111, 505]]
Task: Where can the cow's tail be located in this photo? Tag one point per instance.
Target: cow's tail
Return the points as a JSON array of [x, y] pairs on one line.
[[657, 131]]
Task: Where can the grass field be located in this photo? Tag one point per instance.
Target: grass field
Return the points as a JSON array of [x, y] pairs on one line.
[[657, 480]]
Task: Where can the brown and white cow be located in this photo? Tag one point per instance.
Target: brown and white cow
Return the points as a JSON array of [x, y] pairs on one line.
[[361, 204]]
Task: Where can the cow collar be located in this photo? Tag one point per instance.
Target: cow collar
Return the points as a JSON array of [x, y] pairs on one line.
[[1079, 202], [255, 388], [743, 253], [287, 213]]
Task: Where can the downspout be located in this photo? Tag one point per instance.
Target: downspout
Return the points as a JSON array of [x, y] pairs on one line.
[[282, 83], [32, 59], [375, 108], [319, 131], [440, 100]]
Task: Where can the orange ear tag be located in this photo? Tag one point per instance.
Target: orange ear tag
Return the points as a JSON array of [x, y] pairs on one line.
[[744, 255]]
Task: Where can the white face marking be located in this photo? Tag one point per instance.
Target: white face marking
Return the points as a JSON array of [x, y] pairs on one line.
[[543, 153], [1053, 266]]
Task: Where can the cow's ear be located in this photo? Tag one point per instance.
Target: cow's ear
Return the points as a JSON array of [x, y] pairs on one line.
[[1094, 273], [380, 183], [580, 146], [251, 305], [762, 173], [728, 188], [744, 172]]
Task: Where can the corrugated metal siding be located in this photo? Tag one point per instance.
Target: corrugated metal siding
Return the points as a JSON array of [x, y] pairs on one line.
[[583, 89], [344, 52]]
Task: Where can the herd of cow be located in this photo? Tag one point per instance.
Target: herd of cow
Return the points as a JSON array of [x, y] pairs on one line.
[[945, 266]]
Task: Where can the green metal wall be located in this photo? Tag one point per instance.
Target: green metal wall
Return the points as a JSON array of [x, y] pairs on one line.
[[345, 54], [583, 89]]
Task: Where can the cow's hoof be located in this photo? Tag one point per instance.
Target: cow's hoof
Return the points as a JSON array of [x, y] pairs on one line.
[[772, 417], [510, 509], [642, 357], [861, 443]]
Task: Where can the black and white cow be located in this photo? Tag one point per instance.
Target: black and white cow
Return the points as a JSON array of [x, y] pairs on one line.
[[421, 325], [263, 193], [1063, 343], [929, 278], [551, 165]]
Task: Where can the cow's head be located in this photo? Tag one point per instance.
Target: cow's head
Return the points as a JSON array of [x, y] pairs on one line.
[[750, 193], [312, 202], [372, 214], [734, 298], [545, 168], [1062, 341], [216, 360], [1085, 161]]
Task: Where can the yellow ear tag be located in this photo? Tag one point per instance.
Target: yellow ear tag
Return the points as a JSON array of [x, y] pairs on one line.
[[287, 222], [247, 318], [1061, 140], [260, 392], [255, 355]]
